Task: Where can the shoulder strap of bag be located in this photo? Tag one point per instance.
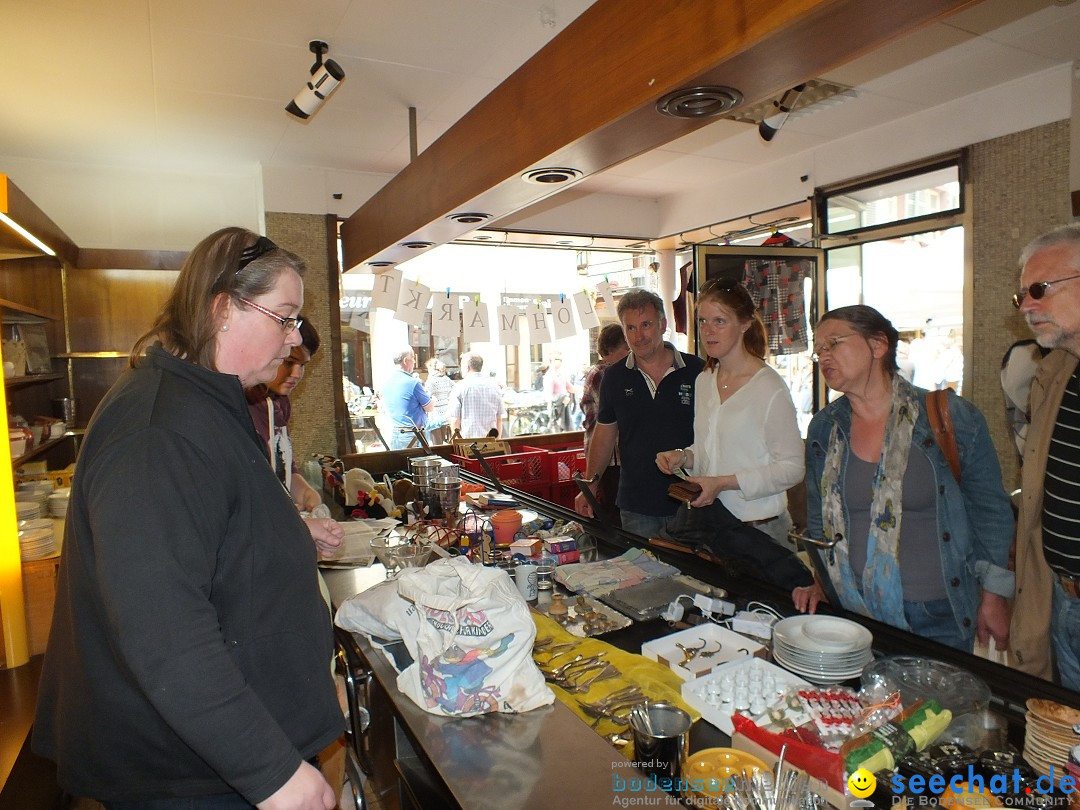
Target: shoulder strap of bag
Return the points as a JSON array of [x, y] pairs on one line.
[[937, 412]]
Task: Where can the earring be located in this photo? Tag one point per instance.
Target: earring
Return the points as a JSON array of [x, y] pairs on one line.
[[224, 327]]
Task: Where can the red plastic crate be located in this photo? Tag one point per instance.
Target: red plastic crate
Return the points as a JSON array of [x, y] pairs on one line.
[[563, 493], [563, 461], [515, 469]]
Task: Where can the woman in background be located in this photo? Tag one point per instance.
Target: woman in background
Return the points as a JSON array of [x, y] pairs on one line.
[[747, 451], [439, 385], [920, 550]]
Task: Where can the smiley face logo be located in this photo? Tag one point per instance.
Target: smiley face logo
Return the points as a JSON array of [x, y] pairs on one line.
[[861, 783]]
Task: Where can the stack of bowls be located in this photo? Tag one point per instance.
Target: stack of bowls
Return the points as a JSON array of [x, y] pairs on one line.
[[58, 502], [35, 491]]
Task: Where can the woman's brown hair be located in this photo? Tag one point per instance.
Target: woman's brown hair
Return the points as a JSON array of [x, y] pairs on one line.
[[233, 261], [736, 297]]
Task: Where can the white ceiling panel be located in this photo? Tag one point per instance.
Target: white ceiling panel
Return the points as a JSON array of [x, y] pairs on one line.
[[160, 113]]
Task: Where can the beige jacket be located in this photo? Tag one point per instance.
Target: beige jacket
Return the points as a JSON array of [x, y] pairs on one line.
[[1030, 633]]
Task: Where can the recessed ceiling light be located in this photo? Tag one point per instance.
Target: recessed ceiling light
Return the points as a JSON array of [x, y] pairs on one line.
[[418, 245], [483, 237], [469, 217], [380, 264], [551, 175], [564, 242], [699, 102]]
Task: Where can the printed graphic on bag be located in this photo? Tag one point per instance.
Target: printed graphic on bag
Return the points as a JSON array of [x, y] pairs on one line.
[[454, 681]]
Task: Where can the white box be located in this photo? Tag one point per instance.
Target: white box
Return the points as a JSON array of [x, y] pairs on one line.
[[719, 645], [697, 692]]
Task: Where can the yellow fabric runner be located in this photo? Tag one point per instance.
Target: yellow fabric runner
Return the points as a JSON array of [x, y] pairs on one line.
[[655, 680]]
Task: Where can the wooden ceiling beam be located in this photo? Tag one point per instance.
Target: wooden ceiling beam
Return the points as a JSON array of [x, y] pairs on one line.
[[587, 101]]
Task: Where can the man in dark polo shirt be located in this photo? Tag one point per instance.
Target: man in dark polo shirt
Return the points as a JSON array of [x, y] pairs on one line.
[[1047, 606], [647, 403]]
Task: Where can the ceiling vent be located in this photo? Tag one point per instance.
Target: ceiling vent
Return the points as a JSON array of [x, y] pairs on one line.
[[551, 175], [418, 245], [699, 102], [469, 217], [816, 93]]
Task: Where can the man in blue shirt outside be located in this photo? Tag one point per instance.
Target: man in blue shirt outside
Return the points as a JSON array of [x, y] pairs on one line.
[[406, 402]]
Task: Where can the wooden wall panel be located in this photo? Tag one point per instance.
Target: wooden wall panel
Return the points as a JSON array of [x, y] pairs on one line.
[[108, 310]]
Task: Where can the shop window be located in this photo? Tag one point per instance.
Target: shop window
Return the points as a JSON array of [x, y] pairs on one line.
[[904, 197]]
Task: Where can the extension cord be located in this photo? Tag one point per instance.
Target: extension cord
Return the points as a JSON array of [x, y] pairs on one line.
[[758, 625], [711, 606]]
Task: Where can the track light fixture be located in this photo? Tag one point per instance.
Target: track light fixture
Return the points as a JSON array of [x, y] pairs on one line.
[[772, 123], [325, 77]]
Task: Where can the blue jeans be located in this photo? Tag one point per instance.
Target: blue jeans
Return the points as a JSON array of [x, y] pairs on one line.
[[935, 620], [1065, 634], [220, 801], [400, 439], [643, 525]]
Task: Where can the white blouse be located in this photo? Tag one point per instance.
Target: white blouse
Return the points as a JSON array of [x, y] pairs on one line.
[[753, 436]]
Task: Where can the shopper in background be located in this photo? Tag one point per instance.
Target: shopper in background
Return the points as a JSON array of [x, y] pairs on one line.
[[560, 395], [271, 408], [747, 451], [611, 348], [1047, 606], [405, 400], [647, 405], [921, 550], [439, 386], [476, 404], [188, 655]]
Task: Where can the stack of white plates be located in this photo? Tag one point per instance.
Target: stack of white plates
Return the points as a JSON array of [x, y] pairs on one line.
[[36, 539], [1051, 733], [58, 502], [27, 510], [822, 649]]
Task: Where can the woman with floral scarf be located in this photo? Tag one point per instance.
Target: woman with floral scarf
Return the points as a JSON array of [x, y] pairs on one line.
[[921, 549]]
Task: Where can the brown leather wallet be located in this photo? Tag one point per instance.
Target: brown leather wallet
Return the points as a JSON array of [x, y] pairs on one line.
[[684, 491]]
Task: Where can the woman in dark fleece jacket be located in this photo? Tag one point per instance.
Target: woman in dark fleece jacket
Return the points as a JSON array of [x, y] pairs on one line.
[[190, 645]]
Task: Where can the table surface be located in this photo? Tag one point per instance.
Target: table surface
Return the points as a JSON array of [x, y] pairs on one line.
[[537, 759]]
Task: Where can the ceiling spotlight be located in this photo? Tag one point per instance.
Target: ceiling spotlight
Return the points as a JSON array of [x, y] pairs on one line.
[[469, 217], [772, 122], [699, 102], [325, 77], [417, 245], [550, 175], [380, 264]]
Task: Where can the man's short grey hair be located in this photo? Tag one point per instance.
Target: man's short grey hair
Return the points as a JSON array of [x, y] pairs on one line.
[[399, 358], [474, 362], [640, 299], [1065, 235]]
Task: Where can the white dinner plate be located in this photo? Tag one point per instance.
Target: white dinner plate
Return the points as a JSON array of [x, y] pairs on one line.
[[826, 634]]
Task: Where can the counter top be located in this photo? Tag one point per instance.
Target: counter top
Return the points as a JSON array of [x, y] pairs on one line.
[[497, 760]]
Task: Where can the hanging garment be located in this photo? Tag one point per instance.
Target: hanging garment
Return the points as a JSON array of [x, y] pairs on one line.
[[776, 285]]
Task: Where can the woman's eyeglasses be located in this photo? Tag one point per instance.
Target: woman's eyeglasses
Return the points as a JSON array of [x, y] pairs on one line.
[[829, 346], [287, 324], [1038, 290]]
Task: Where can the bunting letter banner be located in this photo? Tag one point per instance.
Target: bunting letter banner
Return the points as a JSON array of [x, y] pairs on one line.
[[509, 330], [476, 318], [385, 292], [585, 312], [609, 300], [445, 317], [412, 302], [562, 318], [538, 326]]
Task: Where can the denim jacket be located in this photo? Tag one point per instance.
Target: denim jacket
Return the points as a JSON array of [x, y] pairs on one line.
[[974, 518]]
